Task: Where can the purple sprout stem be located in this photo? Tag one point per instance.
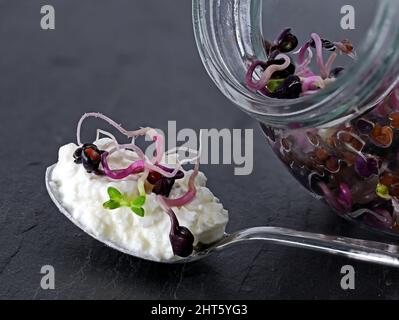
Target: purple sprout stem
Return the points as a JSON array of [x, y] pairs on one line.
[[395, 99], [136, 167], [174, 223], [330, 198], [301, 55]]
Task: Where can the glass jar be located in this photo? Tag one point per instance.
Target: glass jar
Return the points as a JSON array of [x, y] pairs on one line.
[[342, 143]]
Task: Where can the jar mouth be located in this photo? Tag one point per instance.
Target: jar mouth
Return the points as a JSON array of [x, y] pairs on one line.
[[356, 91]]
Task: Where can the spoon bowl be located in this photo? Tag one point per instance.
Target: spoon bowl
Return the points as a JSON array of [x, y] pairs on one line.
[[364, 250]]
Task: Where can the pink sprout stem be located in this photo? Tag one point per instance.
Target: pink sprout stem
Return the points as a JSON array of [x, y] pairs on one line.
[[330, 63], [330, 198], [134, 147], [134, 168], [267, 74], [319, 54], [159, 141], [312, 83], [117, 126], [157, 138]]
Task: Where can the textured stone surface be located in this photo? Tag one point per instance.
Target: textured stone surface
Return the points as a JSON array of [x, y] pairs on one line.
[[136, 61]]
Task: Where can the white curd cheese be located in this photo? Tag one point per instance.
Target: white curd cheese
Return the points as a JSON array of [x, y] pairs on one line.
[[83, 195]]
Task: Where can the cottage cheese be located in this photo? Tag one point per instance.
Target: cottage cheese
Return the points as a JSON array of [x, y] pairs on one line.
[[83, 195]]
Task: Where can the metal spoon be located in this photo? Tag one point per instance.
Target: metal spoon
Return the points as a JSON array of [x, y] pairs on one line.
[[364, 250]]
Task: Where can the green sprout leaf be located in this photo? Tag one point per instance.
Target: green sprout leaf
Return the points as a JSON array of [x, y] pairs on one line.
[[136, 205], [111, 204], [138, 202], [138, 211], [114, 194], [273, 84], [383, 191], [117, 200]]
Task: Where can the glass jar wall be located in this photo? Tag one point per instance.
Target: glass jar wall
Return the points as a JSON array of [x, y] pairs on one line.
[[353, 166], [342, 144]]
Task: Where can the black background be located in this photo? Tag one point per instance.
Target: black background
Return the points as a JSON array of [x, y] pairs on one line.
[[137, 62]]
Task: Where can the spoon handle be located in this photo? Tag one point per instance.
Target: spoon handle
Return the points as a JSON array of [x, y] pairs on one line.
[[364, 250]]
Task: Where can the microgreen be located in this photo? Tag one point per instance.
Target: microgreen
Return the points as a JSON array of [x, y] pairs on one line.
[[138, 211], [114, 193], [111, 204], [117, 200], [277, 81], [138, 202], [382, 191], [152, 172]]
